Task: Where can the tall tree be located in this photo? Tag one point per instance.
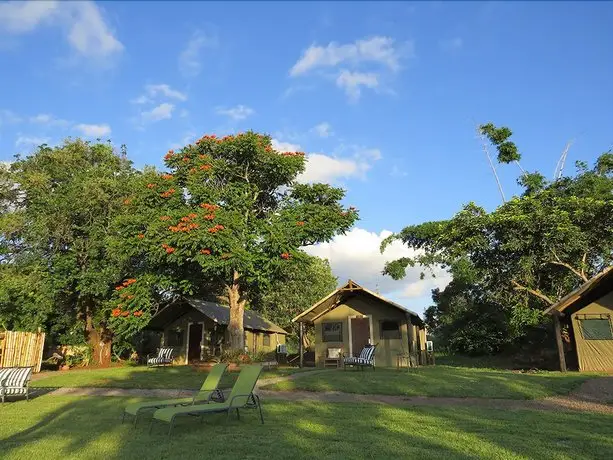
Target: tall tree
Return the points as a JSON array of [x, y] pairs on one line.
[[228, 215], [531, 250], [58, 206], [295, 290]]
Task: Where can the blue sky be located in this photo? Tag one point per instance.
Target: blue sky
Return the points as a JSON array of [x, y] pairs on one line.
[[384, 97]]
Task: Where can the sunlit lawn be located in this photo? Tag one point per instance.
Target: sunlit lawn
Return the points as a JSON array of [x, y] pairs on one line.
[[440, 381], [54, 427], [175, 377]]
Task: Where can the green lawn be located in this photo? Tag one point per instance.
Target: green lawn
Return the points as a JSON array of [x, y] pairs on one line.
[[182, 377], [440, 381], [54, 427]]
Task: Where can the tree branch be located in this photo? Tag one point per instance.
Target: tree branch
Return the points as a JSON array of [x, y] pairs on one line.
[[580, 273], [539, 294]]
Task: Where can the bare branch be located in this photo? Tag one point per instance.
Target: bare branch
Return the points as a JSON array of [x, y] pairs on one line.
[[560, 165], [489, 158], [580, 273], [534, 292]]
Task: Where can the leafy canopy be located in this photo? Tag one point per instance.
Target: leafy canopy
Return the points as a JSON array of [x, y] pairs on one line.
[[228, 217]]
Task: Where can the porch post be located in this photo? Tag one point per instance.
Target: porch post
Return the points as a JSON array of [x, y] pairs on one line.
[[558, 331], [300, 347]]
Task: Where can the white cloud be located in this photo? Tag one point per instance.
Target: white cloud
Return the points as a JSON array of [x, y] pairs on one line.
[[397, 172], [329, 169], [94, 130], [188, 138], [240, 112], [48, 120], [142, 99], [356, 256], [323, 168], [160, 112], [190, 63], [351, 82], [364, 62], [377, 49], [89, 34], [86, 30], [30, 141], [451, 44], [323, 129], [163, 90], [21, 17], [284, 146], [8, 116]]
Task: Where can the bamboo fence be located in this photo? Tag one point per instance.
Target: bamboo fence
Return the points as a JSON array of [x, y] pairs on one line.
[[21, 349]]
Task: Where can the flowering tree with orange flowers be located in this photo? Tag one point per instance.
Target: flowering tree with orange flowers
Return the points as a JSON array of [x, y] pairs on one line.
[[228, 215]]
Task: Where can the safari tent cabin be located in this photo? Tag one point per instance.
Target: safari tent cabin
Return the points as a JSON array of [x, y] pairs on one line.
[[587, 313], [353, 316], [197, 330]]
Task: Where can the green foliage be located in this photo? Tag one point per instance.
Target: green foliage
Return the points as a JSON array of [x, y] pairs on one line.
[[57, 208], [296, 289], [227, 219], [507, 150], [512, 263]]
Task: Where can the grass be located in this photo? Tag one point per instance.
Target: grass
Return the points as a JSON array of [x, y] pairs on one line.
[[182, 377], [54, 427], [440, 381]]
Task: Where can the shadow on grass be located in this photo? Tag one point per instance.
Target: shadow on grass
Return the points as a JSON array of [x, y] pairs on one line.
[[440, 381], [68, 427]]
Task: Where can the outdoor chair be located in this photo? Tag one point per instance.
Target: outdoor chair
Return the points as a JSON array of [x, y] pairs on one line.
[[208, 392], [15, 381], [366, 358], [163, 358], [241, 397]]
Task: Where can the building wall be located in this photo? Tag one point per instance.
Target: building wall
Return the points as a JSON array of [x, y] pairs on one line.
[[387, 349], [255, 341], [180, 352], [594, 355]]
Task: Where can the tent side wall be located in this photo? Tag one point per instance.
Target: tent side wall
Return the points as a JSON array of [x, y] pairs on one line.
[[594, 355], [254, 340], [378, 311], [176, 334]]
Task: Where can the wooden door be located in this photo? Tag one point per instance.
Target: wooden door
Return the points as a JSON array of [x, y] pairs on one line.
[[195, 337], [360, 334]]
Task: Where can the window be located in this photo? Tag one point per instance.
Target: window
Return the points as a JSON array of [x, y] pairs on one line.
[[266, 340], [175, 338], [332, 332], [596, 328], [390, 329]]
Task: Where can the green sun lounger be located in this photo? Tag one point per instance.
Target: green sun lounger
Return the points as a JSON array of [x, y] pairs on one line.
[[208, 392], [241, 397]]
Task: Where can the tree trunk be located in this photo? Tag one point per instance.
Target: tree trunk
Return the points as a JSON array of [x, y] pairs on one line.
[[237, 310], [100, 341]]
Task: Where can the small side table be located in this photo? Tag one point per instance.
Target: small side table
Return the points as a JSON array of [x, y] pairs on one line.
[[332, 362]]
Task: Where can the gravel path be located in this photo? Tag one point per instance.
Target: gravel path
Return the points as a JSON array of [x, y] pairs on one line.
[[592, 396]]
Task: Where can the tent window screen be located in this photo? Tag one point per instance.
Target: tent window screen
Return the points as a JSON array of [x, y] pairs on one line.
[[390, 329], [175, 338], [266, 340], [596, 328], [332, 332]]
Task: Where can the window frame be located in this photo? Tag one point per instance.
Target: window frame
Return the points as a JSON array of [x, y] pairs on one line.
[[598, 317], [266, 338], [323, 331], [397, 332]]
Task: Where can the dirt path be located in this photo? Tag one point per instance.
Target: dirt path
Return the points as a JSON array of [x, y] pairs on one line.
[[591, 397]]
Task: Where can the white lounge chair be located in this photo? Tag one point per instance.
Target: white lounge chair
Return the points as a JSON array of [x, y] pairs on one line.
[[15, 381]]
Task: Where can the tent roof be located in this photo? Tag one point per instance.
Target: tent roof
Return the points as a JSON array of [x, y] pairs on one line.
[[218, 313], [343, 293], [593, 289]]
